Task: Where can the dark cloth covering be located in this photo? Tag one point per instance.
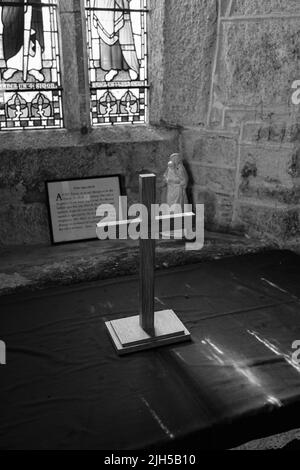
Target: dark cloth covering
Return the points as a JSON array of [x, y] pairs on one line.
[[64, 387]]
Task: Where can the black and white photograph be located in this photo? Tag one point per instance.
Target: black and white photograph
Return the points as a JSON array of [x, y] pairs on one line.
[[150, 228]]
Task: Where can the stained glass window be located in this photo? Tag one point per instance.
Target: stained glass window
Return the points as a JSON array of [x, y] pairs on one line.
[[117, 48], [30, 85]]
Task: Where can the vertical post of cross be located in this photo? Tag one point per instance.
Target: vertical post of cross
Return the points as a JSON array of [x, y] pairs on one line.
[[148, 329], [147, 256]]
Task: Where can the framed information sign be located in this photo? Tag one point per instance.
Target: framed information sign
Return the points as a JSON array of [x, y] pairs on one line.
[[73, 205]]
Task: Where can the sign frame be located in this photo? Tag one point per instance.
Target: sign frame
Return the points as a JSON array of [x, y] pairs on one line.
[[116, 178]]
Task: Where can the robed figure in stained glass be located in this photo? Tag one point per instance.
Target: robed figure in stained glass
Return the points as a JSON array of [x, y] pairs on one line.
[[23, 40], [117, 47]]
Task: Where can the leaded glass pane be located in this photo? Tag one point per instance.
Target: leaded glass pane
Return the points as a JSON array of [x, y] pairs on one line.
[[30, 84], [117, 48]]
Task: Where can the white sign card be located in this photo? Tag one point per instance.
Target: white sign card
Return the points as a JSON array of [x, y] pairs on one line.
[[73, 205]]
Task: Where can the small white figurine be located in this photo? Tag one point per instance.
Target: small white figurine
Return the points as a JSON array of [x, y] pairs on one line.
[[177, 181]]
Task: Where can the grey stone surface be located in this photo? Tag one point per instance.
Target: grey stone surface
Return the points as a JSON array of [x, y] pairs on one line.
[[218, 208], [280, 223], [258, 62], [190, 37], [23, 213], [24, 224], [272, 164], [254, 7], [209, 149], [277, 131], [43, 267], [218, 180], [11, 282], [156, 46]]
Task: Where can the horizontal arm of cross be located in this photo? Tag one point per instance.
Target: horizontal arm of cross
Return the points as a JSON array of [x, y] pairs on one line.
[[138, 220], [160, 223], [179, 216], [119, 223]]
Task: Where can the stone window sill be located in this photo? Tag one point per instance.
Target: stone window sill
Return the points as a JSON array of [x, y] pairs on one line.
[[59, 138]]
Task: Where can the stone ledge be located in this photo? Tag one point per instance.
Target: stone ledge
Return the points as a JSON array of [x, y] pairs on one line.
[[33, 268], [60, 138], [278, 222]]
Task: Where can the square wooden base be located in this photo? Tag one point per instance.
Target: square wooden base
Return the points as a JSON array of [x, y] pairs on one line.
[[129, 337]]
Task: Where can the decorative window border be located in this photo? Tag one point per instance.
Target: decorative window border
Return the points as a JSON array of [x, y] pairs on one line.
[[75, 87], [122, 100], [30, 99]]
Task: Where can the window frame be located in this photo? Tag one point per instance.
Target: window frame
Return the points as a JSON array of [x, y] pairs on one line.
[[39, 91]]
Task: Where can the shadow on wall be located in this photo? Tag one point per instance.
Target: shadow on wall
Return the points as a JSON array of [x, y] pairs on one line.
[[206, 197]]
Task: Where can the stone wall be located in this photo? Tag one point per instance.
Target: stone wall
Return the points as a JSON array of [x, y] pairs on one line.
[[190, 36], [244, 160], [221, 73], [23, 211], [29, 158]]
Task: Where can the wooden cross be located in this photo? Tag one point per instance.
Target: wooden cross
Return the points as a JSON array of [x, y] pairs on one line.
[[149, 329]]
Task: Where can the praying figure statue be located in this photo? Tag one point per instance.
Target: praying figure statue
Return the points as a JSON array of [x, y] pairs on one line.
[[23, 39], [117, 47], [177, 181]]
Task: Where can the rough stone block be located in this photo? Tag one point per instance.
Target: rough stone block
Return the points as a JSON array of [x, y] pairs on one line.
[[281, 224], [233, 118], [258, 62], [219, 180], [275, 132], [24, 224], [23, 218], [209, 149], [272, 164], [156, 59], [218, 208], [261, 189], [259, 7], [190, 38]]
